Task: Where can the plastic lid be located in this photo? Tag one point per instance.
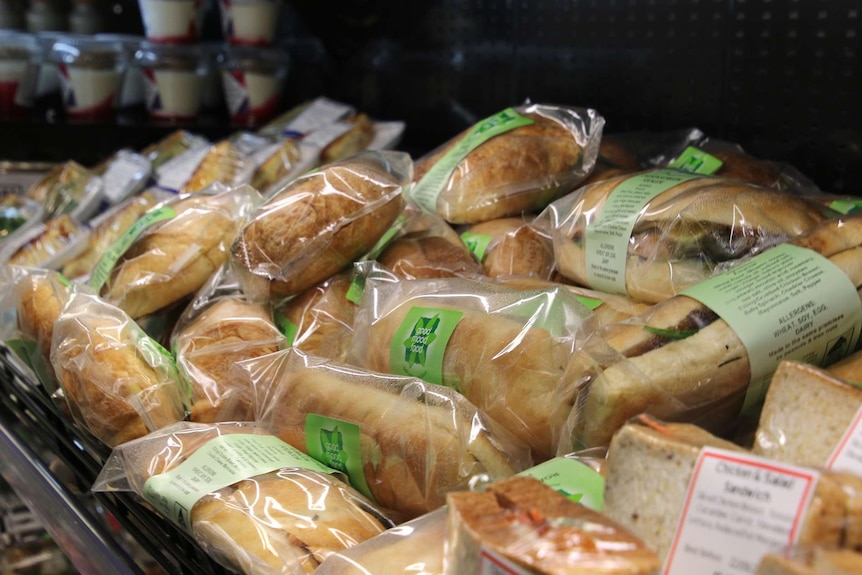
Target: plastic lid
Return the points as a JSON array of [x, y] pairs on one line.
[[86, 51], [151, 54], [17, 45], [272, 60]]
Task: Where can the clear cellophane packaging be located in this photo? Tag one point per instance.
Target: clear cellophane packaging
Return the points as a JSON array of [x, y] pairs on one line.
[[187, 241], [319, 224], [680, 360], [811, 560], [505, 350], [693, 151], [118, 382], [612, 237], [124, 174], [69, 189], [107, 228], [403, 442], [511, 247], [219, 328], [279, 512], [199, 168], [412, 548], [17, 214], [47, 244], [516, 161], [171, 146]]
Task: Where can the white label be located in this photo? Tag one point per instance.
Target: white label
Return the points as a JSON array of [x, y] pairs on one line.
[[738, 509], [235, 93], [320, 113], [491, 563], [328, 134], [607, 236], [173, 175], [124, 175], [847, 456]]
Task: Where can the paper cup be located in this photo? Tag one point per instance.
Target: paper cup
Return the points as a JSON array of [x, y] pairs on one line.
[[173, 78], [90, 72], [132, 92], [172, 21], [253, 84], [249, 22], [17, 51]]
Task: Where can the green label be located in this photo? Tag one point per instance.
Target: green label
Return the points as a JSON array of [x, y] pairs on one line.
[[386, 238], [425, 193], [217, 464], [478, 243], [696, 161], [118, 248], [607, 236], [846, 206], [63, 280], [357, 287], [419, 343], [286, 327], [335, 443], [590, 303], [786, 303], [577, 481]]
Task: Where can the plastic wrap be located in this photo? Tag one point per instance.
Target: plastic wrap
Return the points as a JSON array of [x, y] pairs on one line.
[[17, 214], [124, 174], [200, 168], [218, 329], [655, 233], [511, 247], [516, 161], [107, 229], [68, 189], [319, 224], [411, 548], [652, 463], [680, 360], [402, 442], [279, 512], [119, 383], [172, 146], [520, 525], [45, 245], [186, 242], [811, 560], [505, 350]]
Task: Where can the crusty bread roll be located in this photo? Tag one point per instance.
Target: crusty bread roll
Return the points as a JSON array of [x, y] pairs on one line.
[[515, 249], [173, 258], [520, 170], [353, 141], [39, 299], [229, 331], [541, 532], [416, 446], [222, 163], [683, 233], [818, 561], [805, 415], [323, 317], [849, 369], [317, 226], [428, 257]]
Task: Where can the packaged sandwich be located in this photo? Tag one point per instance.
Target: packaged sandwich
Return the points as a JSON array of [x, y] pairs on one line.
[[704, 504], [200, 168], [652, 234], [253, 503], [520, 525], [319, 224], [119, 383], [218, 329], [511, 247], [505, 350], [516, 161], [68, 189], [811, 560], [45, 245], [124, 174], [171, 146], [706, 355], [412, 548], [173, 250], [107, 228], [17, 213], [404, 443], [617, 157]]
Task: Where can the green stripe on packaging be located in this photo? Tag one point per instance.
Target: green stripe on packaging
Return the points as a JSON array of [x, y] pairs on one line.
[[477, 243], [696, 161]]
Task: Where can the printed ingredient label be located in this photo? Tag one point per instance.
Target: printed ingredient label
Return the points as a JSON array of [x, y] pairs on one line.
[[426, 192], [577, 481], [696, 161], [607, 237], [738, 509], [491, 563], [106, 263], [847, 456], [786, 303], [420, 341], [124, 175], [477, 243], [320, 113], [219, 463], [335, 443]]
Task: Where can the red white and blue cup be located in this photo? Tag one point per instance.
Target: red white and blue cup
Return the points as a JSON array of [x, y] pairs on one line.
[[17, 53], [172, 21], [254, 81], [173, 80], [249, 22], [90, 72]]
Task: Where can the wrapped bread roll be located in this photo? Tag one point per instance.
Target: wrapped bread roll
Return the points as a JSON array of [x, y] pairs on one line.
[[818, 561], [276, 512], [538, 152], [415, 442], [119, 383], [678, 238], [428, 257], [319, 224], [227, 332], [523, 522], [45, 245], [174, 257], [512, 248]]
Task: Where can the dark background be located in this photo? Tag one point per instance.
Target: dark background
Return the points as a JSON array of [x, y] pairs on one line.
[[781, 77]]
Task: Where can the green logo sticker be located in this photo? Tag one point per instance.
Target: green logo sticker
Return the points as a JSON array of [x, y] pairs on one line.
[[335, 443], [357, 287], [286, 327], [478, 243], [419, 343], [696, 161], [577, 481], [846, 206], [590, 303], [106, 263], [425, 193]]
